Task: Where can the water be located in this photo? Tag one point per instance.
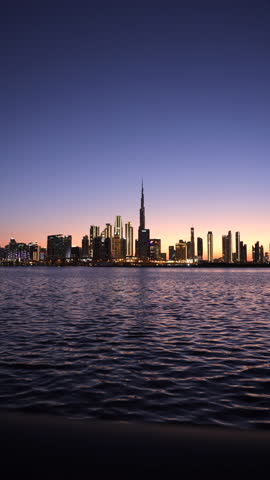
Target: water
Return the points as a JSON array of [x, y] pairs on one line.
[[155, 345]]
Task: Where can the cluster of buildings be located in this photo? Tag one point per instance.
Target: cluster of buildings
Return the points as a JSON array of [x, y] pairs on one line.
[[115, 243]]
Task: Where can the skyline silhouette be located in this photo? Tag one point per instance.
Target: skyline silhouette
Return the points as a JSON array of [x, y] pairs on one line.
[[97, 96]]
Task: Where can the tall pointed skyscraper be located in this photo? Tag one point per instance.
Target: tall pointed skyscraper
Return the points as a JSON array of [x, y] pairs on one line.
[[143, 245], [142, 211]]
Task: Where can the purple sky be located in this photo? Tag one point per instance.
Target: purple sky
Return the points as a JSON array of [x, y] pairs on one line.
[[97, 95]]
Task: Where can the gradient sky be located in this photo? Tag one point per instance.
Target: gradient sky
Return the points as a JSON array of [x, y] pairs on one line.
[[97, 95]]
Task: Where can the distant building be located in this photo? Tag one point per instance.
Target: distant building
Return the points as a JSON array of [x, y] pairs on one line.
[[192, 241], [55, 247], [143, 246], [34, 250], [163, 257], [85, 246], [189, 250], [75, 253], [107, 248], [155, 249], [129, 238], [237, 247], [98, 251], [181, 251], [200, 248], [256, 252], [67, 246], [118, 248], [227, 247], [108, 231], [94, 232], [171, 253], [118, 226], [243, 252], [42, 254], [23, 252], [210, 247]]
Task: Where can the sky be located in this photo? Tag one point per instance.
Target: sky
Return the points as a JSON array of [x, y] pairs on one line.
[[96, 96]]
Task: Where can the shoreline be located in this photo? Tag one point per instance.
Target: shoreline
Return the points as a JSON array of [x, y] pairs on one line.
[[145, 265]]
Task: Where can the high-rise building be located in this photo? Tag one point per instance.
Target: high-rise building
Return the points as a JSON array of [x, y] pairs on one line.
[[171, 253], [118, 226], [94, 232], [189, 250], [11, 249], [155, 249], [200, 248], [256, 252], [85, 247], [107, 248], [243, 252], [56, 247], [67, 246], [181, 251], [34, 250], [227, 247], [237, 246], [129, 238], [143, 247], [108, 231], [42, 254], [192, 241], [75, 253], [210, 248], [261, 254], [118, 247]]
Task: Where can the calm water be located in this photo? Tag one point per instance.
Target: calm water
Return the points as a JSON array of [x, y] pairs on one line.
[[185, 346]]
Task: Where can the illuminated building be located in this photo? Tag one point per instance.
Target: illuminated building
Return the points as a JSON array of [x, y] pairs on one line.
[[42, 254], [11, 249], [23, 252], [85, 246], [190, 254], [118, 226], [210, 247], [34, 250], [108, 230], [116, 250], [129, 239], [200, 248], [181, 251], [143, 247], [155, 249], [94, 232]]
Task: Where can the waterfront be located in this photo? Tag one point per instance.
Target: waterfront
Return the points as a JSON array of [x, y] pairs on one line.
[[173, 346]]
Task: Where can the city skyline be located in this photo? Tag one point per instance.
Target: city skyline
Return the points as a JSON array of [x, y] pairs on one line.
[[99, 96], [234, 248]]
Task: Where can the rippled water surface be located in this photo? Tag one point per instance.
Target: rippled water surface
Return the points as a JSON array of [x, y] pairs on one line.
[[156, 345]]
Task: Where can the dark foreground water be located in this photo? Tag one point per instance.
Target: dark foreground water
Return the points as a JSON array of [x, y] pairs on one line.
[[172, 345]]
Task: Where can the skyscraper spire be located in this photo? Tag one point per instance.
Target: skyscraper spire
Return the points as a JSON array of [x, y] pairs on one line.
[[143, 244], [142, 211]]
